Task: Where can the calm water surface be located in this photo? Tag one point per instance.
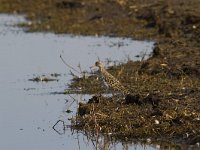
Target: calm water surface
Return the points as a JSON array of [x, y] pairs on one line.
[[27, 109]]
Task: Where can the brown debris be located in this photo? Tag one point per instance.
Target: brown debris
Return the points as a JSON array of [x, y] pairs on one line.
[[165, 100]]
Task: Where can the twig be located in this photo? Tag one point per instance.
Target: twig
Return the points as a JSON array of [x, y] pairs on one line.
[[73, 99], [60, 133], [143, 56], [79, 66], [68, 65], [72, 74]]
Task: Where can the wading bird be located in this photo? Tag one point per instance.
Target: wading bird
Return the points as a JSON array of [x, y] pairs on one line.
[[109, 80]]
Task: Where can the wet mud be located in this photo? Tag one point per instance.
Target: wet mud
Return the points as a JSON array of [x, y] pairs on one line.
[[165, 98]]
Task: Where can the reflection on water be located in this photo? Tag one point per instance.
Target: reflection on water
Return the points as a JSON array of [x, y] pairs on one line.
[[27, 109]]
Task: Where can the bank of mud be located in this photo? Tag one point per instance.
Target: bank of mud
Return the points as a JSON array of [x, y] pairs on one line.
[[166, 87]]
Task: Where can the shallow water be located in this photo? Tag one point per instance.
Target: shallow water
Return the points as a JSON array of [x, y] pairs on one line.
[[27, 109]]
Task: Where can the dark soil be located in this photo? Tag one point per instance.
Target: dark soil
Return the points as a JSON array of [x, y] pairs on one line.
[[165, 103]]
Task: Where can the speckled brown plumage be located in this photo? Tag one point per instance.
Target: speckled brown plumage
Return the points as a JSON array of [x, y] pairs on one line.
[[110, 80]]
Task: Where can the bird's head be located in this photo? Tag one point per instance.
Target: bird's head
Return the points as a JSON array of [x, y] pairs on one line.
[[98, 64]]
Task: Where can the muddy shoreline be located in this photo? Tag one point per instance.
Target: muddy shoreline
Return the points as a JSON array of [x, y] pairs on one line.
[[167, 84]]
